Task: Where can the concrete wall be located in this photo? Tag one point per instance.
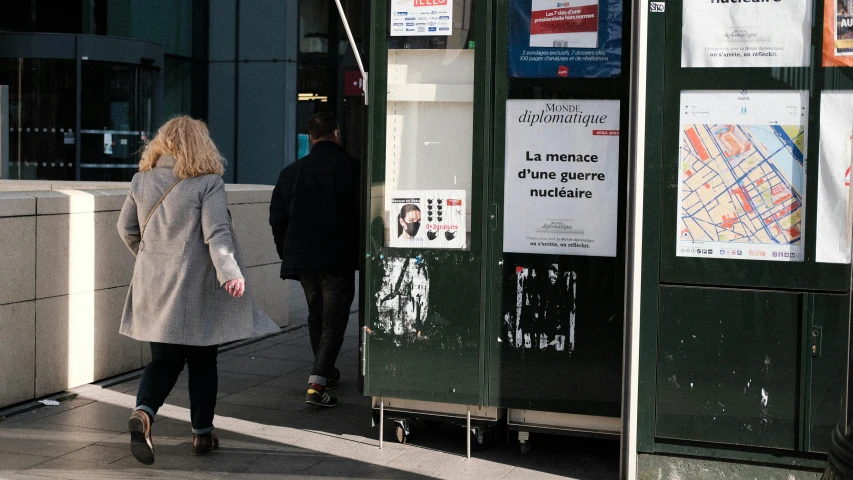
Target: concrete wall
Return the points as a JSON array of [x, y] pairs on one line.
[[65, 274]]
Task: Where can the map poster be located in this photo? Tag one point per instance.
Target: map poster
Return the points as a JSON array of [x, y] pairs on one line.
[[833, 184], [554, 38], [561, 187], [413, 18], [838, 33], [427, 218], [746, 33], [742, 175]]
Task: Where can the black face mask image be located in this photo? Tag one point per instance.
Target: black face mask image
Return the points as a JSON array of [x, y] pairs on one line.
[[412, 228], [432, 235], [449, 235]]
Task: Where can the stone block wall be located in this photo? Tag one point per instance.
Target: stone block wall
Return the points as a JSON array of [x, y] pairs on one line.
[[65, 274]]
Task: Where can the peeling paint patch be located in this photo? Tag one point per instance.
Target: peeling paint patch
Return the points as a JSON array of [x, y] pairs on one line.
[[403, 300], [543, 315], [765, 397]]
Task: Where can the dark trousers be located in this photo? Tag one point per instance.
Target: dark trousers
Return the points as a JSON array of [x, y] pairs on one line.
[[329, 298], [159, 377]]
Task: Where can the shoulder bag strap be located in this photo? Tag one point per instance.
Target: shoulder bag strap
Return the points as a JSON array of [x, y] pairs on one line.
[[155, 208]]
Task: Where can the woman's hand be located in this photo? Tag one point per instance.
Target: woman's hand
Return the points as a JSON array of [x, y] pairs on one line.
[[236, 287]]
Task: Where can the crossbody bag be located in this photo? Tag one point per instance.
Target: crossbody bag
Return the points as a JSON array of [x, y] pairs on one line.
[[142, 232]]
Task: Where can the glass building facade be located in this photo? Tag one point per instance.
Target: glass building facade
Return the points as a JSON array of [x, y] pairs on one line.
[[90, 80]]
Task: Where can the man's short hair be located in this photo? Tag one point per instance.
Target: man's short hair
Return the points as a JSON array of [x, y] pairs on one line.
[[322, 125]]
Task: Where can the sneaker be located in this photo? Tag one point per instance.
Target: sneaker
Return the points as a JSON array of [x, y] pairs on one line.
[[141, 445], [333, 382], [317, 395]]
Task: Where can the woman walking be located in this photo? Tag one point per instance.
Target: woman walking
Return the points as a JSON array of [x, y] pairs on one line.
[[187, 293]]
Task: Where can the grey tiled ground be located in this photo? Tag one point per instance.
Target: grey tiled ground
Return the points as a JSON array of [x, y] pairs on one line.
[[268, 432]]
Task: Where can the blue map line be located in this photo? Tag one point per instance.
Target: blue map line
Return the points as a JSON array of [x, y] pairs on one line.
[[785, 139], [795, 151], [737, 180]]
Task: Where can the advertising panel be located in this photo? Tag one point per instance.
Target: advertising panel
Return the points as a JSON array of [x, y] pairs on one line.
[[743, 33], [562, 177], [833, 185], [427, 218], [550, 38], [742, 175], [837, 33], [414, 18]]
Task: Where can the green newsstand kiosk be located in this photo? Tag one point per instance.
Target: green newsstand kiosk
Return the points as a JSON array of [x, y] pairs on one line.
[[745, 332], [498, 162]]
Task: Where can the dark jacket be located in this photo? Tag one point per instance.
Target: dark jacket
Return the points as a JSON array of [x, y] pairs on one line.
[[314, 213]]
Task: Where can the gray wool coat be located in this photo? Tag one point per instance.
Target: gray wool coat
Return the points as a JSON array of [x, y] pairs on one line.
[[187, 254]]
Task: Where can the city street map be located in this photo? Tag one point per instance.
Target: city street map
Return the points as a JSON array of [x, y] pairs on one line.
[[742, 182]]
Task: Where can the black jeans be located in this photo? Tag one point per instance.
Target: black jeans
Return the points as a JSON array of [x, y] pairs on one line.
[[329, 298], [159, 377]]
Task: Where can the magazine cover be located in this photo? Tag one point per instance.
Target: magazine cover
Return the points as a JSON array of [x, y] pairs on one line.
[[564, 24], [838, 33], [564, 39]]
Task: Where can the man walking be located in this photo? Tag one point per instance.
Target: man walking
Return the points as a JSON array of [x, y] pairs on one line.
[[314, 215]]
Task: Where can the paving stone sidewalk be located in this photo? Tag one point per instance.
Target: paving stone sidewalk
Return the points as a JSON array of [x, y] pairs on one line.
[[268, 432]]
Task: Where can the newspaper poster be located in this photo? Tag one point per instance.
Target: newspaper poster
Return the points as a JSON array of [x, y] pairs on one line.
[[558, 25], [838, 33], [550, 38], [561, 186], [413, 18], [833, 209], [427, 219], [746, 33], [742, 175]]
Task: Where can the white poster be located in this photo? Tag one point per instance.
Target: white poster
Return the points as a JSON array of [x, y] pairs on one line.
[[411, 18], [742, 175], [427, 218], [746, 33], [836, 135], [561, 187]]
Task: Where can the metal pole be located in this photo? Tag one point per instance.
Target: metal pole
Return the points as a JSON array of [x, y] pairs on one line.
[[468, 435], [354, 49], [381, 421], [627, 441], [4, 131]]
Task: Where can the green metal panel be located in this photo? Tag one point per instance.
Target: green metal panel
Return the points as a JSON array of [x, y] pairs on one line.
[[587, 380], [808, 294], [650, 274], [828, 329], [443, 361], [807, 275], [727, 366]]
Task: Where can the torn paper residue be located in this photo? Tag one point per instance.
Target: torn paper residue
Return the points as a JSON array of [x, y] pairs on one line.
[[544, 313], [403, 299]]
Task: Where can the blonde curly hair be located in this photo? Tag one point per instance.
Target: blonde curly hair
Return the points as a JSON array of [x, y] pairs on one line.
[[188, 140]]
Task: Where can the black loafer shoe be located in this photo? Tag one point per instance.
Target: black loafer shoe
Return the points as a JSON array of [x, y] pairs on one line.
[[141, 445]]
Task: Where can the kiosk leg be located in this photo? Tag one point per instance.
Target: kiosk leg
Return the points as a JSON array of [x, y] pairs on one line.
[[468, 435], [523, 442], [381, 421]]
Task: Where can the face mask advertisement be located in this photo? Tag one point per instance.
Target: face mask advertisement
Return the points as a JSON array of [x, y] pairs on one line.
[[837, 33], [427, 219], [580, 38], [561, 187], [746, 33]]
